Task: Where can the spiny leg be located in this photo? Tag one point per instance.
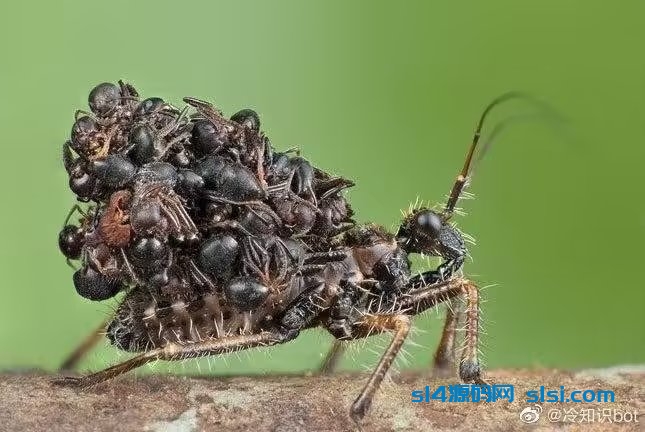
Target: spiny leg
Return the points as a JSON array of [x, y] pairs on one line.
[[332, 358], [444, 357], [304, 310], [175, 351], [421, 299], [400, 324], [469, 367], [90, 341], [426, 296]]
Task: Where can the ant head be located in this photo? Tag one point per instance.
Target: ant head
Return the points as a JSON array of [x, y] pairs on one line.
[[106, 97], [428, 232]]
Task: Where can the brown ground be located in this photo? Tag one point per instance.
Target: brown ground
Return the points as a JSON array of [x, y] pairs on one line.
[[301, 403]]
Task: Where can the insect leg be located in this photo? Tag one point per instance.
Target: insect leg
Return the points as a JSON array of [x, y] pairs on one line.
[[400, 324], [444, 357], [304, 310], [75, 208], [307, 307], [309, 269], [332, 358], [176, 351], [469, 367], [325, 257], [424, 298], [179, 217], [84, 347]]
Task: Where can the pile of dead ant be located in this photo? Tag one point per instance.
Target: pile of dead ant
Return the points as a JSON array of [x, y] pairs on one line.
[[221, 243]]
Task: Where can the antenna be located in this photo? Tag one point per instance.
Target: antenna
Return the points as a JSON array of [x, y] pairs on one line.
[[463, 177]]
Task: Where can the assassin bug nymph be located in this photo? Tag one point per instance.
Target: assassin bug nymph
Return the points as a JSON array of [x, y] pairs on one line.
[[361, 286]]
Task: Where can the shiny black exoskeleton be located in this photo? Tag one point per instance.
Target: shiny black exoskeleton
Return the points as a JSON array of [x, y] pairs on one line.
[[96, 286], [247, 118], [228, 181], [71, 240], [169, 189], [218, 256], [221, 243], [104, 98]]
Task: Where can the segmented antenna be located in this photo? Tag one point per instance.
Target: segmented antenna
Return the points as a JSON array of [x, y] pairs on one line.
[[462, 178]]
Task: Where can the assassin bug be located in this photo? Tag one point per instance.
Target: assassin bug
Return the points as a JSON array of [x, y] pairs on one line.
[[358, 285]]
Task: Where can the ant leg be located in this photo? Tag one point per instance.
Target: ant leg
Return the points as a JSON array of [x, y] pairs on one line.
[[75, 208], [180, 215], [325, 257], [232, 225], [400, 324], [326, 188], [310, 269], [173, 125], [90, 341], [256, 257], [176, 351], [425, 298], [208, 111], [332, 358], [180, 224], [70, 265], [167, 146], [81, 113], [68, 157]]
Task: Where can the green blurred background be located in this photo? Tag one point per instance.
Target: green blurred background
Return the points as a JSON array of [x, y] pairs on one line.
[[386, 93]]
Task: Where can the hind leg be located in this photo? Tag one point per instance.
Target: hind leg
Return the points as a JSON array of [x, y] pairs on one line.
[[332, 358], [90, 341]]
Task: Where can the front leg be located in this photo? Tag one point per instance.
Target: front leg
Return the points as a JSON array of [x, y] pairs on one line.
[[444, 272], [429, 296]]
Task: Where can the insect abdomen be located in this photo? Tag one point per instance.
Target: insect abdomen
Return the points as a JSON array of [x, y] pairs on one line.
[[142, 323]]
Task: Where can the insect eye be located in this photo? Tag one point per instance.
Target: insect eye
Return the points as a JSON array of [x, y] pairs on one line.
[[429, 222]]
